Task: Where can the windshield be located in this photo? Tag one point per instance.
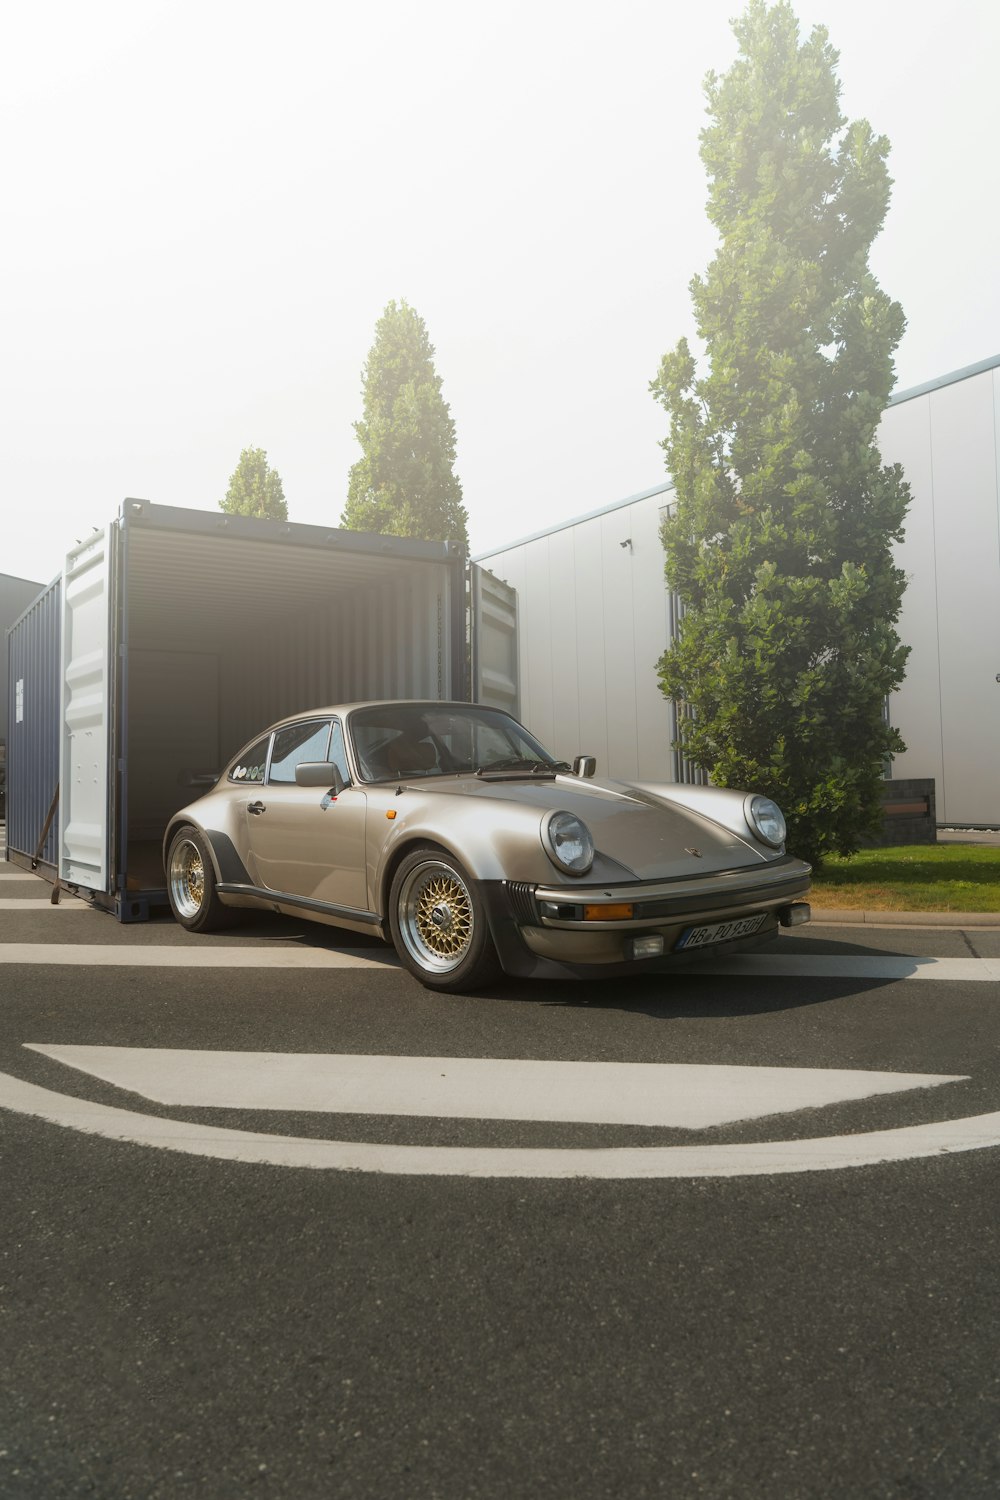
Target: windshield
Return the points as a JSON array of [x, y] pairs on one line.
[[441, 739]]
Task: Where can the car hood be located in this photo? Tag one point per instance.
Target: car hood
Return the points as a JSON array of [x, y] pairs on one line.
[[653, 839]]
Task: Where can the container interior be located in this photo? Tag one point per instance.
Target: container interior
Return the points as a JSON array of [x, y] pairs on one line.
[[224, 635]]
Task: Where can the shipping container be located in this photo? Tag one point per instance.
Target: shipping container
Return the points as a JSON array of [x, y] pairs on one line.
[[15, 596], [173, 636]]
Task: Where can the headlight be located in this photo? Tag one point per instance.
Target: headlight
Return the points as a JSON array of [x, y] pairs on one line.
[[568, 842], [766, 819]]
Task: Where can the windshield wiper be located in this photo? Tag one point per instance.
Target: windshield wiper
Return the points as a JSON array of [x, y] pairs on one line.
[[522, 763]]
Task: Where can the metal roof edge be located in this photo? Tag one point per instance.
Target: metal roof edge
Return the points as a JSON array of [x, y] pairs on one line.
[[45, 589], [16, 578], [136, 512], [590, 515], [943, 380]]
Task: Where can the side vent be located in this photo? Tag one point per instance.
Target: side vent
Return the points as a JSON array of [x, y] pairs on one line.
[[522, 900]]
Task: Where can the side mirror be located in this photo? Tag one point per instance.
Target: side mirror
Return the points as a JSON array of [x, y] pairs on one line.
[[322, 773], [585, 766]]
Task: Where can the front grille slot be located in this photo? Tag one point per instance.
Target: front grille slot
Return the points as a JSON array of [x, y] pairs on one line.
[[522, 900]]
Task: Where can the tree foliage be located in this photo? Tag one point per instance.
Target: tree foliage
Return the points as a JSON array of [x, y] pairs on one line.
[[780, 544], [404, 484], [255, 488]]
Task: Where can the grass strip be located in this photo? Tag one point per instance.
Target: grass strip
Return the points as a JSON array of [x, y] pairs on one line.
[[912, 877]]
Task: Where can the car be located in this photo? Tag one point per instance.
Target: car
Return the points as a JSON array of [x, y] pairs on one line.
[[447, 830]]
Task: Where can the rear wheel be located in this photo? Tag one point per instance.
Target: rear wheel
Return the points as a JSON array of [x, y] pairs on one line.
[[438, 923], [191, 883]]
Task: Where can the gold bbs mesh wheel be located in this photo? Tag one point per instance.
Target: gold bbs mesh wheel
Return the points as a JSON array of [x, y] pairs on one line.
[[187, 878], [436, 916], [194, 899]]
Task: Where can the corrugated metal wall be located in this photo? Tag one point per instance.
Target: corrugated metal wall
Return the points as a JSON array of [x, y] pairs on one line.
[[592, 623], [16, 594], [948, 708], [388, 640], [595, 614], [33, 743]]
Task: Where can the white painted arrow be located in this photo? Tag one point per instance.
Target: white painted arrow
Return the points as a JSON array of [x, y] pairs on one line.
[[685, 1095]]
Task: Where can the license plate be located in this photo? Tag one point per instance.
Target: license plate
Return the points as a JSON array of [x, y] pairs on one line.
[[721, 932]]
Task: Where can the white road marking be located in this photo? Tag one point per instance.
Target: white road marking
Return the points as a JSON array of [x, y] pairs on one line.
[[850, 966], [830, 1153], [196, 956], [884, 967], [686, 1095], [39, 903], [18, 874]]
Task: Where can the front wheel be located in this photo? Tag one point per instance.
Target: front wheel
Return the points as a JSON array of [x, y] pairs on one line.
[[439, 924], [191, 883]]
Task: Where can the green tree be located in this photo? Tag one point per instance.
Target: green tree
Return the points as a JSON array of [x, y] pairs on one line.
[[404, 483], [780, 547], [255, 488]]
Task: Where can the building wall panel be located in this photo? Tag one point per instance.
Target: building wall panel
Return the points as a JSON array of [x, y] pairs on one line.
[[564, 605], [915, 709], [968, 596], [592, 723], [651, 629], [33, 729], [619, 565]]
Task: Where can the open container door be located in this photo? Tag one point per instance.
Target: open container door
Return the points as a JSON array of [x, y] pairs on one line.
[[493, 627], [84, 812]]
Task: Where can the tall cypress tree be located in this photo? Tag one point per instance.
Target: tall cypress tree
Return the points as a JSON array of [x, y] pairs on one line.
[[255, 488], [404, 484], [781, 544]]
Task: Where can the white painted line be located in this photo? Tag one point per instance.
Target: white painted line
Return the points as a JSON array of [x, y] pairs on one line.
[[686, 1095], [830, 1153], [38, 903], [195, 956], [849, 966], [884, 967], [19, 875]]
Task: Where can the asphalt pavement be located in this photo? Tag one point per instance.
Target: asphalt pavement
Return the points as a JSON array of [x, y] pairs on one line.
[[797, 1303]]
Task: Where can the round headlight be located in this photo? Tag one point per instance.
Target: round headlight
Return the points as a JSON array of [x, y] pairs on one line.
[[766, 819], [568, 842]]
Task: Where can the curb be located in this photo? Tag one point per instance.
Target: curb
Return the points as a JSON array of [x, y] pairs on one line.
[[842, 916]]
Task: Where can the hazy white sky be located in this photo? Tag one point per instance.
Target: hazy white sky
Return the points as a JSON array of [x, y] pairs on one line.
[[207, 206]]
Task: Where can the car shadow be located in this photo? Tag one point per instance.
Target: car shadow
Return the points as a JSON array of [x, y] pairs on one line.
[[673, 992], [689, 996], [689, 990]]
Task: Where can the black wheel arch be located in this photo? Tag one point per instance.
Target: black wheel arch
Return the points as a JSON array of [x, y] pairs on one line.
[[228, 868]]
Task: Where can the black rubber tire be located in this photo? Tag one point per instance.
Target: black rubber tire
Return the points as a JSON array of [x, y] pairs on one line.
[[438, 922], [193, 898]]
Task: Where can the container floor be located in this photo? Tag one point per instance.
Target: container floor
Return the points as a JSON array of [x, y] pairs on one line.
[[145, 866]]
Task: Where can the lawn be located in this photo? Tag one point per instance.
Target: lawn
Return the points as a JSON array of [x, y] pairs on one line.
[[914, 877]]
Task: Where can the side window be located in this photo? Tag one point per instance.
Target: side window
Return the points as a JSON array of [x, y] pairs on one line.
[[338, 751], [296, 743], [252, 763]]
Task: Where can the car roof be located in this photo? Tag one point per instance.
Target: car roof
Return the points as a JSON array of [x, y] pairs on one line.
[[342, 709]]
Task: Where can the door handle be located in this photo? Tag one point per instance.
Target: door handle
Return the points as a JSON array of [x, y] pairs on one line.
[[256, 808]]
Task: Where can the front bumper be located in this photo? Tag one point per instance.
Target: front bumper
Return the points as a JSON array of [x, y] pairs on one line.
[[552, 930]]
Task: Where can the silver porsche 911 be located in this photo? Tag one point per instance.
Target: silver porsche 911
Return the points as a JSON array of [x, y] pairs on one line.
[[447, 830]]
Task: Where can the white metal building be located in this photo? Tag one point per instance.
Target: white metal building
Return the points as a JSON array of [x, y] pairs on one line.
[[594, 612]]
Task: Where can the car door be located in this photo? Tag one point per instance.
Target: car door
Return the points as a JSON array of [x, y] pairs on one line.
[[305, 841]]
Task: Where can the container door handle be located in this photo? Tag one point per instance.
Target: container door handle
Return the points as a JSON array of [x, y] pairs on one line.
[[256, 808]]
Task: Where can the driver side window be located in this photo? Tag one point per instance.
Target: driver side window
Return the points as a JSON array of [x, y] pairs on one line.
[[294, 744]]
